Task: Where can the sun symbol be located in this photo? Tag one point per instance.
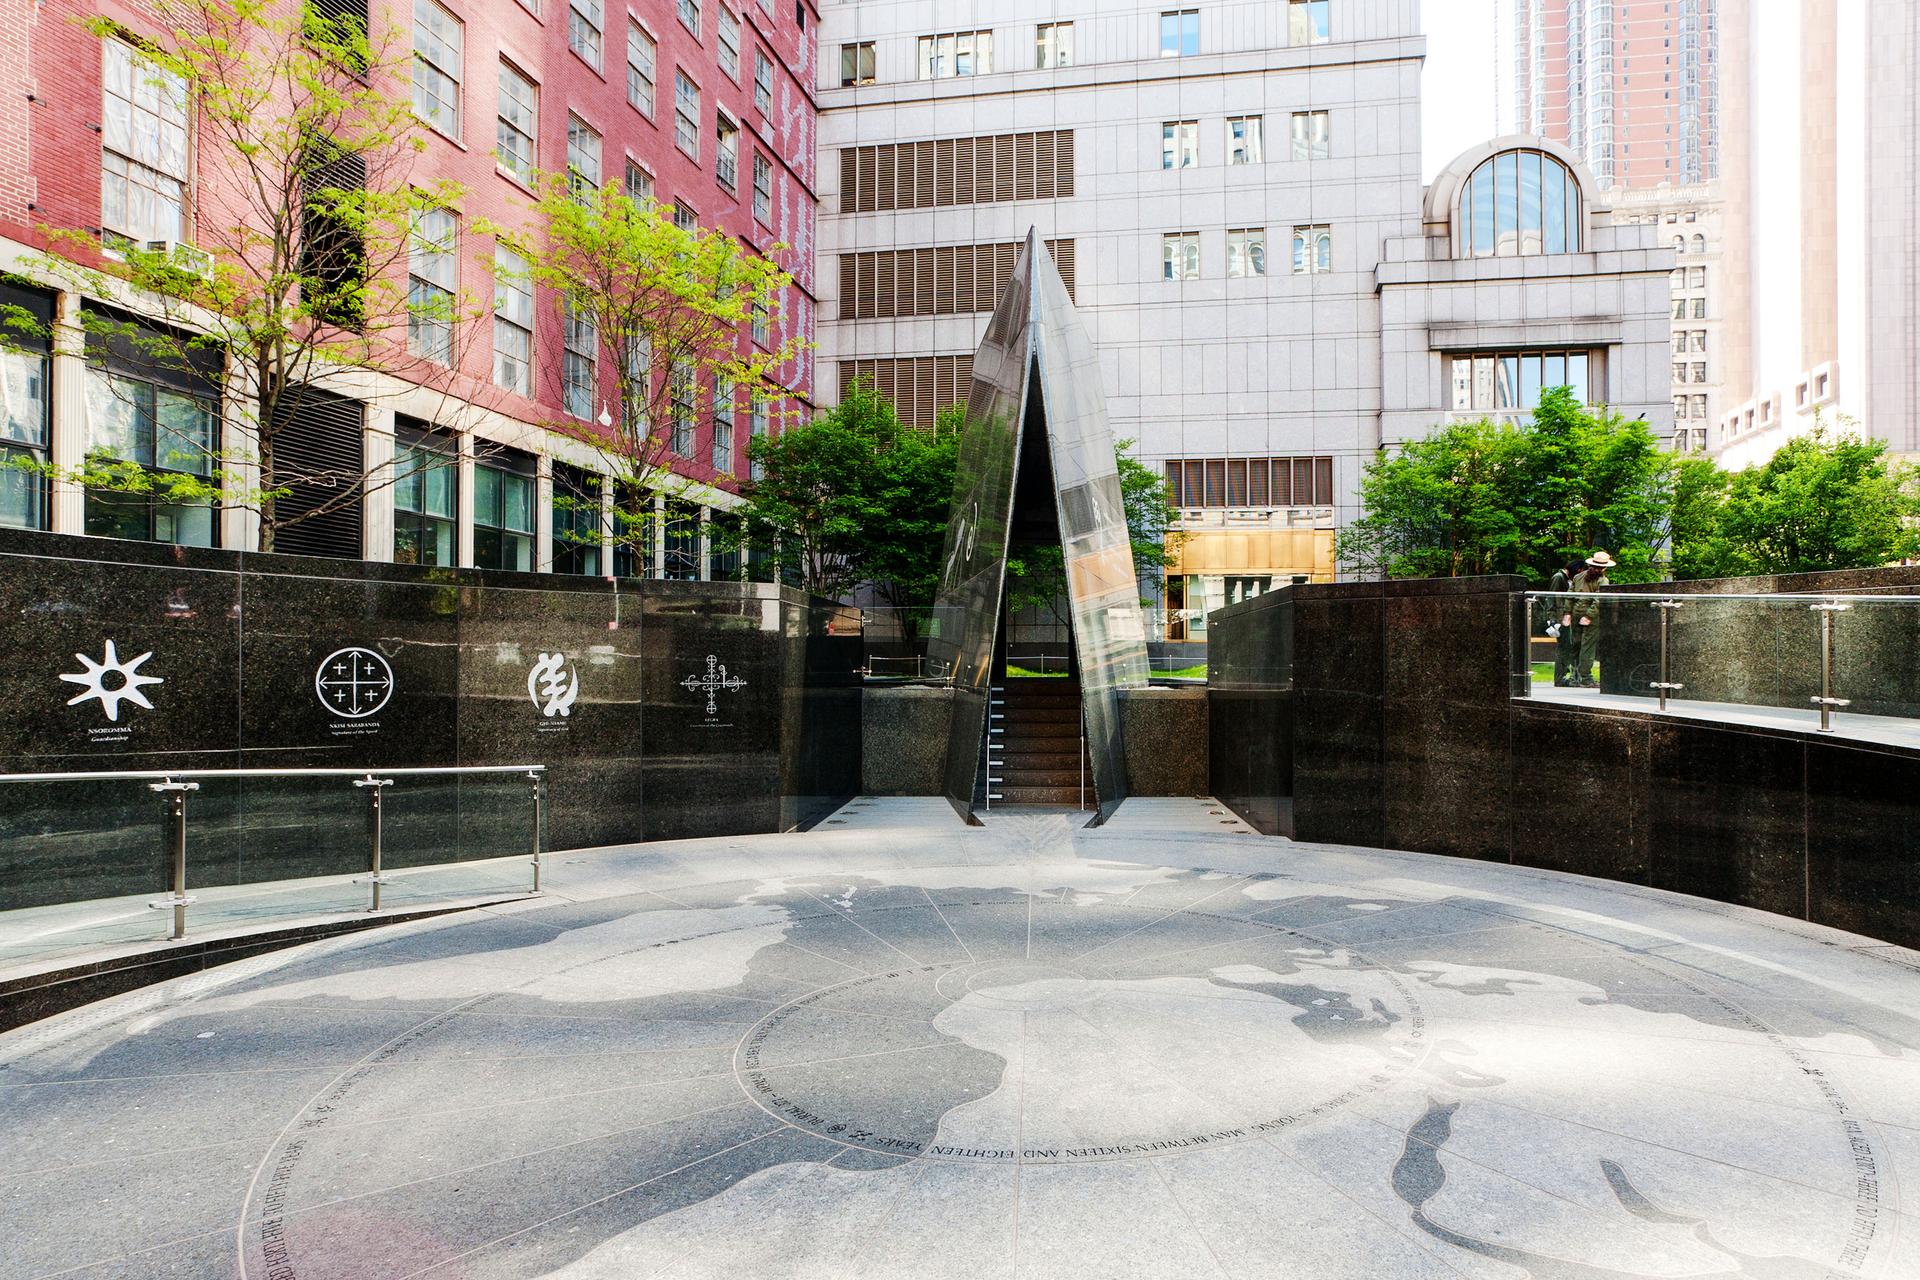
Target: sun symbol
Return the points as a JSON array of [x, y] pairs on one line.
[[125, 674]]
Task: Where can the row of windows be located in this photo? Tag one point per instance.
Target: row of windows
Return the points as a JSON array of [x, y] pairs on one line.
[[1307, 132], [945, 281], [438, 42], [1249, 482], [1688, 278], [948, 172], [1514, 380], [1681, 368], [947, 54], [919, 386], [1685, 340], [1312, 252], [1694, 406]]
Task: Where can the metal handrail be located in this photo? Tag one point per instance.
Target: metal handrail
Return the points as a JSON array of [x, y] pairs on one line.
[[174, 784], [112, 775], [1704, 595]]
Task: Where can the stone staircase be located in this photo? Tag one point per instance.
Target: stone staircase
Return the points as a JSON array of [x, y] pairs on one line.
[[1039, 754]]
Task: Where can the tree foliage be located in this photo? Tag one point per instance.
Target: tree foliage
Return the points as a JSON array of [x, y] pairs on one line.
[[669, 306], [307, 209], [1485, 497], [1825, 500], [853, 496]]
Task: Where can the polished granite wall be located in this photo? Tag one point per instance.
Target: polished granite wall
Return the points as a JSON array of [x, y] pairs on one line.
[[696, 709], [1379, 714]]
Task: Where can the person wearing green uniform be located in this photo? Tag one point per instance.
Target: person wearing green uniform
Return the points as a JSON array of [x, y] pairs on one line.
[[1565, 649], [1582, 618]]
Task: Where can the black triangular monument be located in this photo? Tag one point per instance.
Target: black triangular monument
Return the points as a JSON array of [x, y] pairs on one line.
[[1037, 462]]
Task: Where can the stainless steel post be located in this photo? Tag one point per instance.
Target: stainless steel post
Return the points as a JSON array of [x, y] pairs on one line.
[[374, 787], [535, 777], [1826, 701], [176, 844], [1665, 683]]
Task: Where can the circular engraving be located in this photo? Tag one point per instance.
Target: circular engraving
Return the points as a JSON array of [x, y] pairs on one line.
[[1066, 1059], [353, 682]]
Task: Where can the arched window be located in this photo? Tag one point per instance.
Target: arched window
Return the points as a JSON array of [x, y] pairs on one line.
[[1520, 202], [1679, 244], [1699, 243]]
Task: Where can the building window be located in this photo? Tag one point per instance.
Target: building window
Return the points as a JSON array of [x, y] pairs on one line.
[[762, 188], [684, 217], [1679, 407], [580, 362], [757, 424], [1679, 371], [639, 184], [437, 41], [640, 61], [1053, 45], [514, 135], [1261, 483], [162, 414], [1483, 382], [726, 152], [1679, 341], [1180, 255], [583, 157], [723, 426], [1699, 308], [1180, 33], [583, 30], [432, 279], [680, 395], [1696, 277], [686, 114], [1247, 252], [1312, 250], [1520, 202], [512, 322], [689, 11], [1679, 308], [1180, 144], [762, 83], [1700, 407], [1699, 371], [956, 53], [503, 512], [26, 408], [425, 503], [729, 44], [757, 326], [143, 134], [856, 64], [1245, 140], [1311, 139], [577, 521], [1699, 339], [1307, 22]]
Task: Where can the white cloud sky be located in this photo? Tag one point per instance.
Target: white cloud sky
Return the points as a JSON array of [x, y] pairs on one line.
[[1458, 106]]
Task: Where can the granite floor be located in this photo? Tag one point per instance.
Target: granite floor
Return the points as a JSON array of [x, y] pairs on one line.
[[896, 1046]]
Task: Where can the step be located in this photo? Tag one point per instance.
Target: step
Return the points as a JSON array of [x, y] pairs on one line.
[[1036, 758], [1038, 795], [1042, 715], [1067, 777]]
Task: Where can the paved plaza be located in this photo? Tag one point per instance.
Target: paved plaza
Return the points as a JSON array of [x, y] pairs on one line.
[[896, 1046]]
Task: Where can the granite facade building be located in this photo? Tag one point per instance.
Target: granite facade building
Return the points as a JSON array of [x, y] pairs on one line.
[[1234, 197], [706, 107]]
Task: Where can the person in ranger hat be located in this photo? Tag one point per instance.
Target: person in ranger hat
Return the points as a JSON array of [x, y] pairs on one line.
[[1582, 618], [1564, 648]]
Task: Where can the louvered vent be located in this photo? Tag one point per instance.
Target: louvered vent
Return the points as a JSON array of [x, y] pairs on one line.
[[956, 171], [319, 454], [942, 281]]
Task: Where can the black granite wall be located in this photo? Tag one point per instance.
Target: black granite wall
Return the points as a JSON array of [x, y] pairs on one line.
[[246, 647], [1379, 714]]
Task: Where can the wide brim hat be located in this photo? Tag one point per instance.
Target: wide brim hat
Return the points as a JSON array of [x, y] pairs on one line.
[[1600, 560]]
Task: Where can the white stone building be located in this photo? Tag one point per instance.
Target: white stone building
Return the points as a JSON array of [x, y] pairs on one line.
[[1233, 192]]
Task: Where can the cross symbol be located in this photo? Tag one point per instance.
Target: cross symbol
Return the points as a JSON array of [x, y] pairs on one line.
[[713, 682]]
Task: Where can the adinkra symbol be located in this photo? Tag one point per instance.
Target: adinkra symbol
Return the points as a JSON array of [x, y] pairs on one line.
[[553, 685], [713, 682], [111, 681], [353, 682]]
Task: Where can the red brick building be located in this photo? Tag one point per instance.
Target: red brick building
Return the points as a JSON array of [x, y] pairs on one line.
[[704, 105]]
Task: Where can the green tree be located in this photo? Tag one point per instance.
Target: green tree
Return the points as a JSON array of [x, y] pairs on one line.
[[1485, 497], [1698, 536], [852, 496], [297, 279], [1825, 500], [671, 308]]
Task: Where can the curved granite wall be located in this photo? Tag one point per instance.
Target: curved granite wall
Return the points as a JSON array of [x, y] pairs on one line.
[[1382, 714], [673, 709]]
